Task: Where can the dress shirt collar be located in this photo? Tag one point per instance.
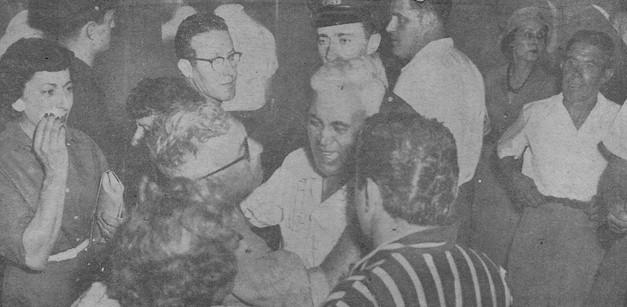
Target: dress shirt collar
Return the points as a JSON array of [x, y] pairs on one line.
[[433, 47]]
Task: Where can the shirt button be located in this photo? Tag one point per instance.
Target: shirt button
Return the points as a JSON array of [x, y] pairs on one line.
[[76, 218], [67, 190], [390, 99]]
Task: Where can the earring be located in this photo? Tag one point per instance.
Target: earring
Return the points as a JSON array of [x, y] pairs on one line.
[[19, 105]]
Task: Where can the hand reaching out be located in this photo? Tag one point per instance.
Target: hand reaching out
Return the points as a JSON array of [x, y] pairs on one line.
[[526, 192]]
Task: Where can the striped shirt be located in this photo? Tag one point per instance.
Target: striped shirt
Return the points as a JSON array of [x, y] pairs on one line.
[[422, 269]]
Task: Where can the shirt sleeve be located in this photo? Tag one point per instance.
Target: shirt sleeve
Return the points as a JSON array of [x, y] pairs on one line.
[[615, 140], [514, 141], [263, 207], [15, 215], [353, 291]]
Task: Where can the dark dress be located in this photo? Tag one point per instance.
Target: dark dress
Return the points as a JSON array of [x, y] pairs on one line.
[[494, 216]]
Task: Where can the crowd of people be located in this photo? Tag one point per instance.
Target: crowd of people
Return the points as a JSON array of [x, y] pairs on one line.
[[430, 185]]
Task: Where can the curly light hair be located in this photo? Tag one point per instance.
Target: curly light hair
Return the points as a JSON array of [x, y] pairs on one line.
[[175, 251]]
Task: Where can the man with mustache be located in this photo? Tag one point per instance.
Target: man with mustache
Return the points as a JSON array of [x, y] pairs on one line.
[[200, 141], [555, 252], [441, 82]]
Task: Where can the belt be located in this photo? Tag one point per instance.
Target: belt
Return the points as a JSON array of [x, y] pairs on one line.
[[70, 253], [572, 203]]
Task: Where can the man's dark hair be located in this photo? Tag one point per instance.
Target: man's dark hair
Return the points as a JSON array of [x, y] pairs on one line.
[[157, 95], [192, 26], [19, 64], [61, 19], [175, 250], [599, 39], [442, 8], [413, 160]]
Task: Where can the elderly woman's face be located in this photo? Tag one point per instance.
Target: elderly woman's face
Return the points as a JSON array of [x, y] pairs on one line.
[[529, 41], [48, 92]]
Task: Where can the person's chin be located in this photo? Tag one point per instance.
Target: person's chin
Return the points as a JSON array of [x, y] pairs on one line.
[[327, 169]]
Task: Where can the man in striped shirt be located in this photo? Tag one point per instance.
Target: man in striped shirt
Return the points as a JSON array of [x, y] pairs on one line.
[[404, 194]]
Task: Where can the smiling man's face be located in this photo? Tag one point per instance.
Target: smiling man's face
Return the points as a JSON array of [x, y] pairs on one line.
[[335, 118], [215, 81]]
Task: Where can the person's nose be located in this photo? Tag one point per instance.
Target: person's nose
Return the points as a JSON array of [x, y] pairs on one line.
[[331, 53], [138, 136], [326, 136], [65, 101], [229, 68], [391, 27]]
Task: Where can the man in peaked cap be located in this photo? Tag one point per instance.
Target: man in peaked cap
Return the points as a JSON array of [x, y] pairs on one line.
[[349, 29]]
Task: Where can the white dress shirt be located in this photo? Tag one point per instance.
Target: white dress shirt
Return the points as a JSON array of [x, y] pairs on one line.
[[258, 63], [291, 198], [441, 82], [562, 160], [17, 29]]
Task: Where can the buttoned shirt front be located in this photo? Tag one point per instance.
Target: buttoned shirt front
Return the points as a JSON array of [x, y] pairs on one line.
[[441, 82], [291, 198], [562, 160]]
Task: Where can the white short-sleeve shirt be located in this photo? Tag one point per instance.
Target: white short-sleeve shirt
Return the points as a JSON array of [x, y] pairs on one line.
[[291, 198], [561, 160], [616, 139]]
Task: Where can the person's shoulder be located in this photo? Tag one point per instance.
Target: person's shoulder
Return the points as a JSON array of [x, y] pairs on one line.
[[611, 106], [297, 160], [541, 106]]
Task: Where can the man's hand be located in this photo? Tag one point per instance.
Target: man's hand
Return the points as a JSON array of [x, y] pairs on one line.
[[49, 145], [617, 219], [525, 191], [111, 210], [95, 296]]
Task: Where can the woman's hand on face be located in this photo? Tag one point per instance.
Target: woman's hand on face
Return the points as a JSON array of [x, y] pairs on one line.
[[49, 144]]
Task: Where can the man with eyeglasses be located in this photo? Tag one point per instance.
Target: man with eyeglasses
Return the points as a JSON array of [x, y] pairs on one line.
[[206, 56], [200, 141]]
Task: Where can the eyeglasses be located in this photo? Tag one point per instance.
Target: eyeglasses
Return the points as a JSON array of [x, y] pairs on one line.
[[219, 62], [245, 156], [529, 35]]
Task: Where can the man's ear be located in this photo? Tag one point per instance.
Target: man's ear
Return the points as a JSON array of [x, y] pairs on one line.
[[373, 43], [607, 75], [375, 201], [90, 30], [185, 66], [427, 18]]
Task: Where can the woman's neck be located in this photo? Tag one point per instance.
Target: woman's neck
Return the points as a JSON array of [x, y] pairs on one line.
[[518, 73]]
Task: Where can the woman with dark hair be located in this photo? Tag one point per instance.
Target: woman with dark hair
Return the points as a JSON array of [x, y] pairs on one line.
[[50, 179], [523, 79]]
